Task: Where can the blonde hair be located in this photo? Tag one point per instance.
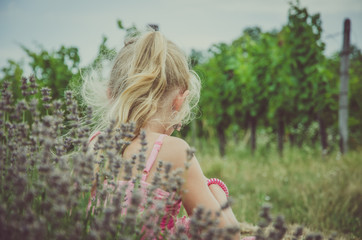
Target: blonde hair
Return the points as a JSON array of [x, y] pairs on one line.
[[144, 74]]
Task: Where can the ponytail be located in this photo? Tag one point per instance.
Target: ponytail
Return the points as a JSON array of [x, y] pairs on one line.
[[146, 81], [145, 71]]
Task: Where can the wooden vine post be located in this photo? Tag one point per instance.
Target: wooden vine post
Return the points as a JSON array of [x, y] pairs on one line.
[[343, 92]]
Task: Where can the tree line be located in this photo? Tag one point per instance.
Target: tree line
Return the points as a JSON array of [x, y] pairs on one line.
[[280, 82]]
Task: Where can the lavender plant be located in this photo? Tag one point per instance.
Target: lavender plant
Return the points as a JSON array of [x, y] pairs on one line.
[[48, 174]]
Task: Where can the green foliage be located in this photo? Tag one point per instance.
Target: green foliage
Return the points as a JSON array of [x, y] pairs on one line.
[[54, 69], [13, 74], [220, 85], [303, 49], [280, 80]]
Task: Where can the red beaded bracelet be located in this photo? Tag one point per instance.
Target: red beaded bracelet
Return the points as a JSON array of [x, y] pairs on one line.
[[220, 183]]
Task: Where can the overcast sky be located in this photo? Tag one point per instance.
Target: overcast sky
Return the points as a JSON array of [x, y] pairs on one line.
[[190, 23]]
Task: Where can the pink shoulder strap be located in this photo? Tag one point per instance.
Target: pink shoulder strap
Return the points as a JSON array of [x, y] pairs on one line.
[[151, 159]]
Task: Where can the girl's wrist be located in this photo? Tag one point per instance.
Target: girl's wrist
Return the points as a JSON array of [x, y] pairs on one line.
[[220, 183]]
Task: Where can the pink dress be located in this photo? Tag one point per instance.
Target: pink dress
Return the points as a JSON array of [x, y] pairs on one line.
[[170, 220]]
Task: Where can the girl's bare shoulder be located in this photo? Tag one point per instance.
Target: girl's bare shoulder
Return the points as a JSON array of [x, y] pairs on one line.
[[174, 149], [175, 141]]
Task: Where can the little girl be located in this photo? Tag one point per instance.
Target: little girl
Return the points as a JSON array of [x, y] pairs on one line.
[[152, 86]]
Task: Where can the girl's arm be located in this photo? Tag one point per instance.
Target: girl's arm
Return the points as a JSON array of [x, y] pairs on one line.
[[211, 197], [196, 191], [220, 196]]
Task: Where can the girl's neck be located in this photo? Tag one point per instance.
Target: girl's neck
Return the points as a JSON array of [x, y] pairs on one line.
[[157, 127]]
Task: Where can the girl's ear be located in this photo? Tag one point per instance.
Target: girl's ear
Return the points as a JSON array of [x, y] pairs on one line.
[[179, 100]]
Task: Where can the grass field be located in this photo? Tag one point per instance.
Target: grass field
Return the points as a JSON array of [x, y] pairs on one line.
[[324, 194]]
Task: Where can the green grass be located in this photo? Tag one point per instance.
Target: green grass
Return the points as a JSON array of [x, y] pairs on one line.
[[322, 193]]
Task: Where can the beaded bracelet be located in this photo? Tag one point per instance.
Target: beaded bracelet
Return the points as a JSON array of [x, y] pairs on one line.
[[220, 183]]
